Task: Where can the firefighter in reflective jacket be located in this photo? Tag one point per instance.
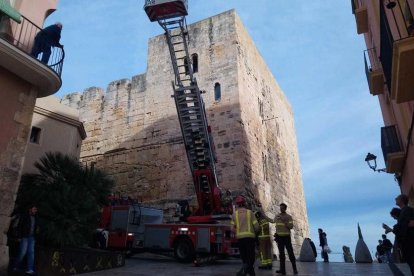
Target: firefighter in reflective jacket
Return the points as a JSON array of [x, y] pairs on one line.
[[284, 223], [265, 245], [246, 227]]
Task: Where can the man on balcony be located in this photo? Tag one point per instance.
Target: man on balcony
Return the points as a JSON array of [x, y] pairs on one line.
[[45, 39]]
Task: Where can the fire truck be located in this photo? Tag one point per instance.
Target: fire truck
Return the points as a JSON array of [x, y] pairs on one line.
[[206, 231]]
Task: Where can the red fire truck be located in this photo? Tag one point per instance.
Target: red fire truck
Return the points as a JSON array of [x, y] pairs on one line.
[[207, 230], [129, 226]]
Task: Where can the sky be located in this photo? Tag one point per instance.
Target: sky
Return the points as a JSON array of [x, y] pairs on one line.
[[316, 56]]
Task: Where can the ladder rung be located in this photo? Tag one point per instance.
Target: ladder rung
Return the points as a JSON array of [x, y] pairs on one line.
[[188, 101]]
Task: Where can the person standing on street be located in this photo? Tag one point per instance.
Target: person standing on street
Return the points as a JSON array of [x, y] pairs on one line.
[[323, 243], [246, 227], [380, 251], [27, 230], [284, 223], [397, 255], [406, 230], [387, 246], [265, 245]]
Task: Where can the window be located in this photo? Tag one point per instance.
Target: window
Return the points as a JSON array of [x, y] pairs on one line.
[[35, 135], [217, 92], [194, 58]]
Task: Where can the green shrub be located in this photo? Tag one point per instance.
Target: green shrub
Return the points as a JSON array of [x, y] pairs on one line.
[[69, 197]]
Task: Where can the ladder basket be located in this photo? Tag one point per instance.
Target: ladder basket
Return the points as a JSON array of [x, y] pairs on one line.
[[165, 9]]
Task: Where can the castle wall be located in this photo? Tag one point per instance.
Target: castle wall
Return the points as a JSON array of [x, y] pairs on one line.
[[134, 134], [272, 160]]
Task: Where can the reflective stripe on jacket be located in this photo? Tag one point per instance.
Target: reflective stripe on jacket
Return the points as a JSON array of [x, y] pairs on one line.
[[264, 230], [282, 228], [245, 223]]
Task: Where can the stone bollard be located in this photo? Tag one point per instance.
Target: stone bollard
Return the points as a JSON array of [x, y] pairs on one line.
[[362, 254], [306, 252]]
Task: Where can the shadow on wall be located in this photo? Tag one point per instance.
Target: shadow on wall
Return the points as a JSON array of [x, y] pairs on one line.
[[152, 164]]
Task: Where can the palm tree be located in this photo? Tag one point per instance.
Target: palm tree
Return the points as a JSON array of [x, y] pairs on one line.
[[69, 197]]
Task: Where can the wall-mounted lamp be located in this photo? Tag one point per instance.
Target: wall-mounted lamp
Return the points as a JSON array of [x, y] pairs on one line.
[[371, 160]]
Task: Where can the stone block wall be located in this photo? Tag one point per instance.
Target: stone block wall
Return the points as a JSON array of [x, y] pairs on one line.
[[272, 160], [134, 134], [17, 103]]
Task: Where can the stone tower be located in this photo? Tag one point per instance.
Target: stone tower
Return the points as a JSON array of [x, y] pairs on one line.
[[134, 133]]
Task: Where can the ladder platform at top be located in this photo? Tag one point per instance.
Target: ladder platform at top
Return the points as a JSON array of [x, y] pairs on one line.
[[165, 9]]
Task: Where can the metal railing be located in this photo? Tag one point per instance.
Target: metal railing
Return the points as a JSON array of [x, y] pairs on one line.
[[22, 36], [371, 62], [396, 24], [390, 142]]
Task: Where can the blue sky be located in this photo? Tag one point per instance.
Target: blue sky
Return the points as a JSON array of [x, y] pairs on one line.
[[315, 54]]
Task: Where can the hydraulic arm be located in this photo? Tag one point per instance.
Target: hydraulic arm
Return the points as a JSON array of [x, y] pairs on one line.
[[196, 132]]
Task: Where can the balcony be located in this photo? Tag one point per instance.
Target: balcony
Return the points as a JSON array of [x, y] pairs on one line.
[[16, 41], [397, 49], [373, 70], [361, 16], [391, 149]]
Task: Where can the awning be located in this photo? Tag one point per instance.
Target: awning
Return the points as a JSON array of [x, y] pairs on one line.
[[9, 11]]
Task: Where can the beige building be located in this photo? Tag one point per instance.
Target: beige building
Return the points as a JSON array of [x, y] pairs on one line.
[[22, 80], [388, 29], [134, 133], [55, 128]]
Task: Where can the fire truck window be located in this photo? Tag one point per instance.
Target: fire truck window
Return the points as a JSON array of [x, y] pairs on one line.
[[135, 215]]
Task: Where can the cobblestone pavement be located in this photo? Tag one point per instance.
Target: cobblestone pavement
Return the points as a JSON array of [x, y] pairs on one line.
[[157, 266]]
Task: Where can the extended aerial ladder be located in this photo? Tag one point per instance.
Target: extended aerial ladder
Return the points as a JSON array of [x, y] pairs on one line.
[[203, 234], [170, 14]]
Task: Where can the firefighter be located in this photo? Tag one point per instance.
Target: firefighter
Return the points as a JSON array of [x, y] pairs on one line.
[[246, 227], [265, 245], [227, 202], [284, 223]]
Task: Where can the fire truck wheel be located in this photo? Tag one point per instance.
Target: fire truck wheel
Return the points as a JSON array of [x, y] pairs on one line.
[[184, 250]]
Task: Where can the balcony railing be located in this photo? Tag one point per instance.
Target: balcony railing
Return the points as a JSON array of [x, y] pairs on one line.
[[397, 48], [391, 149], [22, 35], [373, 71]]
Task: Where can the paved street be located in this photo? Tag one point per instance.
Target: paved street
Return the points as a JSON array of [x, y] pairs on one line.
[[157, 266]]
